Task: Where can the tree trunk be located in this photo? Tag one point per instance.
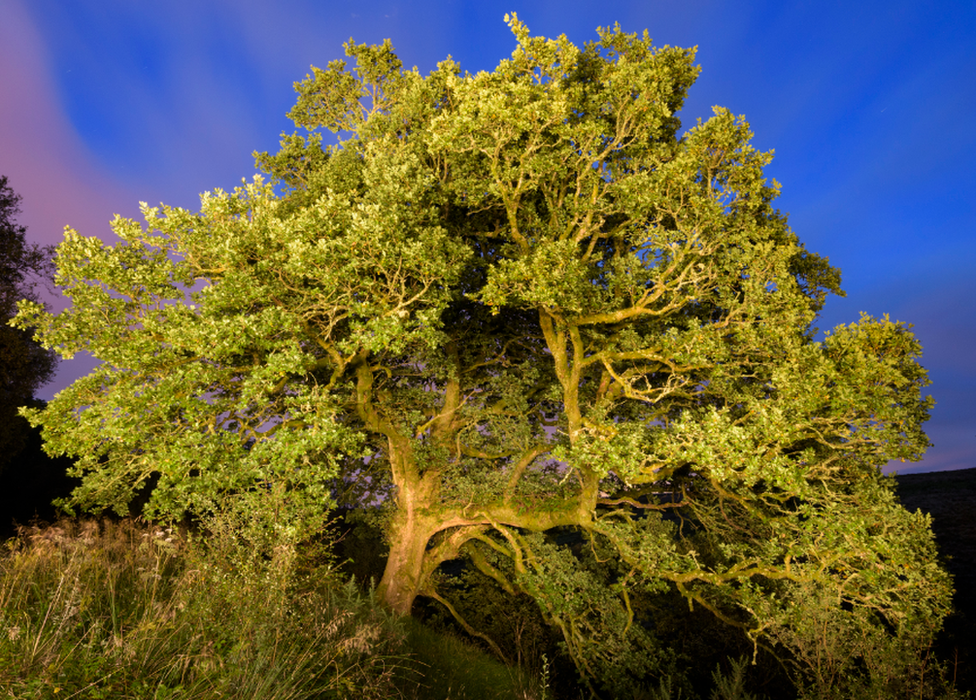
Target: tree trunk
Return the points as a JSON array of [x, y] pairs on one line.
[[404, 568]]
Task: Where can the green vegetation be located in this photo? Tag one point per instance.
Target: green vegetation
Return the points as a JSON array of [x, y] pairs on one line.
[[120, 609], [525, 327], [115, 610]]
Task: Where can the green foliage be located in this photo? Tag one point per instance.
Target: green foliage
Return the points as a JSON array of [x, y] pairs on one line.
[[857, 653], [503, 305], [732, 685]]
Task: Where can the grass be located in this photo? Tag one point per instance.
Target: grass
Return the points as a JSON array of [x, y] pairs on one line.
[[447, 667], [121, 610], [129, 611], [126, 610]]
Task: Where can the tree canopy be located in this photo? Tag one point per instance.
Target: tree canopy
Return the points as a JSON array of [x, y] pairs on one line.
[[24, 365], [501, 306]]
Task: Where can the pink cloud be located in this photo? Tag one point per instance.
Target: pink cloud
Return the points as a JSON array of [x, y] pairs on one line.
[[40, 153]]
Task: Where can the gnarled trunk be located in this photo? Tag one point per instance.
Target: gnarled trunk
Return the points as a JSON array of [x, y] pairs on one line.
[[402, 577]]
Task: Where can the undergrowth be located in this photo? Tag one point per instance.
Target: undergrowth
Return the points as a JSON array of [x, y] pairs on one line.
[[124, 610], [130, 611]]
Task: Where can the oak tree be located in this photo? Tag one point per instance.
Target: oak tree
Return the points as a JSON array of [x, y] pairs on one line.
[[502, 306]]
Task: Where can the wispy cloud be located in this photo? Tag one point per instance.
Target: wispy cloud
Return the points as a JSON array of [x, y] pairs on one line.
[[40, 152]]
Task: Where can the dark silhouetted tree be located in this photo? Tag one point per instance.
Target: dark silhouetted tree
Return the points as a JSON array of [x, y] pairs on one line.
[[29, 479], [24, 364]]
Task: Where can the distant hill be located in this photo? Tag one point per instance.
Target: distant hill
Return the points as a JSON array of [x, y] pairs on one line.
[[950, 498]]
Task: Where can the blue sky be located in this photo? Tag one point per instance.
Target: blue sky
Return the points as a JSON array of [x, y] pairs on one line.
[[868, 105]]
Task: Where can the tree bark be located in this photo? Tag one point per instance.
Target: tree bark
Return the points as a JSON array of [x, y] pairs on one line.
[[410, 532], [404, 568]]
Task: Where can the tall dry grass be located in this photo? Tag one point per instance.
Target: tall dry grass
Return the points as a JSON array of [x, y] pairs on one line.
[[102, 609]]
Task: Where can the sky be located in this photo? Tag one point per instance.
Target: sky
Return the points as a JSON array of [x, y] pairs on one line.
[[868, 106]]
